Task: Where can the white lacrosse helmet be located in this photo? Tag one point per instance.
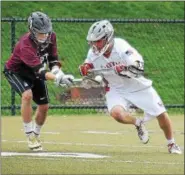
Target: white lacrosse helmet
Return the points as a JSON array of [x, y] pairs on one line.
[[100, 30]]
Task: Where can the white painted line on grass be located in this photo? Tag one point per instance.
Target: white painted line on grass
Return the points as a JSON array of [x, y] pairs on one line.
[[54, 154], [102, 132], [53, 133], [49, 132]]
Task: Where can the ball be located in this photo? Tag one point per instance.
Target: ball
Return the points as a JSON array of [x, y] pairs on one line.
[[98, 78]]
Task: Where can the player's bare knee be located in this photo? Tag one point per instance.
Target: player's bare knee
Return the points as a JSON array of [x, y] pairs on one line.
[[27, 96], [43, 108], [118, 113], [163, 120], [163, 115]]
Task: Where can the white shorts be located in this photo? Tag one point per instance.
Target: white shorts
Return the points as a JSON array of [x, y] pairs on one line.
[[148, 100]]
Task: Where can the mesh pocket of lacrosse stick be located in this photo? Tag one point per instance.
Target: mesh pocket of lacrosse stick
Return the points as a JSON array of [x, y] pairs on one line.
[[80, 89], [65, 90], [89, 82]]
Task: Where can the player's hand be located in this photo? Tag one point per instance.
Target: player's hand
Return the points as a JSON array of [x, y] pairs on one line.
[[120, 68], [63, 79], [68, 79], [55, 70], [84, 68]]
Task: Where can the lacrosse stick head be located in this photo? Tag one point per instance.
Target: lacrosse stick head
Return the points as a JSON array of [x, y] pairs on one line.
[[100, 37], [83, 90]]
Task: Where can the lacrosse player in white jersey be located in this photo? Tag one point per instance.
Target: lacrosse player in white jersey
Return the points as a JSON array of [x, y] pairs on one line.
[[125, 84]]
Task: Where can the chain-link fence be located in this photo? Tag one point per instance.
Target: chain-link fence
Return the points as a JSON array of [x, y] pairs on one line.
[[160, 41]]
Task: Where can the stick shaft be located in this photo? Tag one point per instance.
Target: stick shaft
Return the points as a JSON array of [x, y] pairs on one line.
[[76, 80], [102, 71]]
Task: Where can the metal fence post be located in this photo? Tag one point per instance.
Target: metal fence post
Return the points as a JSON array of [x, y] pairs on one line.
[[13, 112]]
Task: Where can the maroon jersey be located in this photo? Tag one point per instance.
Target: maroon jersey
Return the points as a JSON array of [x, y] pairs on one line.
[[27, 55]]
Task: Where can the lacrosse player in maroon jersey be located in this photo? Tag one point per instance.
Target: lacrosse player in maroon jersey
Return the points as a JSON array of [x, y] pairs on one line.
[[27, 72], [125, 85]]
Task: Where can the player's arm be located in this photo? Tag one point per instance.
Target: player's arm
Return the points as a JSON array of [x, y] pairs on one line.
[[54, 63], [53, 53], [47, 75], [43, 74], [32, 60], [87, 65], [134, 64]]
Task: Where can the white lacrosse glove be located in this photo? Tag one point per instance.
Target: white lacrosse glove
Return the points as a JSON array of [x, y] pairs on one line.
[[55, 70], [61, 78], [68, 79]]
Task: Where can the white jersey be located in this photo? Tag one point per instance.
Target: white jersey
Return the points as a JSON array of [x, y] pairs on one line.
[[122, 53]]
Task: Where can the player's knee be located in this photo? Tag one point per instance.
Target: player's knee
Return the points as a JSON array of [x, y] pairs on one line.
[[162, 116], [43, 108], [27, 96], [163, 120], [118, 113]]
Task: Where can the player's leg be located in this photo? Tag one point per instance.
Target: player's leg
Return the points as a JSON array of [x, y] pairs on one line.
[[40, 117], [23, 88], [153, 107], [121, 115], [40, 96], [166, 125], [26, 111], [118, 109], [26, 107]]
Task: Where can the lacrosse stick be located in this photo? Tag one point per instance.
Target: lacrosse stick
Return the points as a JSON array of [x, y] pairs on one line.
[[133, 70], [75, 81], [86, 82]]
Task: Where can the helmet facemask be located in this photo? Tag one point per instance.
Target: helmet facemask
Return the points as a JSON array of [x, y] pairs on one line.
[[100, 37], [40, 40], [106, 42]]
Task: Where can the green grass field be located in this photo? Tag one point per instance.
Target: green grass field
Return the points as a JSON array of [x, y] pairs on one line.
[[68, 135]]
